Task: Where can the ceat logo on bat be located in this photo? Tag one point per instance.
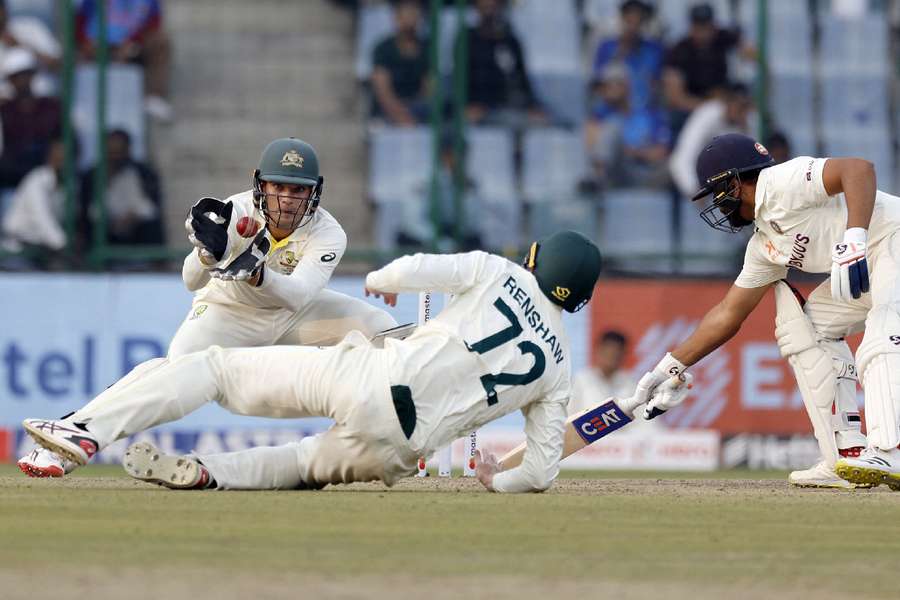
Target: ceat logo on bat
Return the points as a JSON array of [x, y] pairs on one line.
[[601, 421]]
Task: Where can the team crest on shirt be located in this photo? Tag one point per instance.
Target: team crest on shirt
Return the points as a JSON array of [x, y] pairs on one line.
[[288, 261], [292, 158], [776, 227], [198, 311]]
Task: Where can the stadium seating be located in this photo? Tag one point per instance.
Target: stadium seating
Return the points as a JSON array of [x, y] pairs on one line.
[[399, 163], [490, 164], [375, 22], [124, 108], [553, 162], [636, 233], [551, 39]]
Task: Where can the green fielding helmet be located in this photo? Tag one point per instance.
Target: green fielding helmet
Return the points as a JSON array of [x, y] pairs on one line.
[[566, 266], [289, 160]]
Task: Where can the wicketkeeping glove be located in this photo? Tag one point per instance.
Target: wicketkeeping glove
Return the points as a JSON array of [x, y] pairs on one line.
[[668, 394], [849, 269], [207, 226], [248, 263]]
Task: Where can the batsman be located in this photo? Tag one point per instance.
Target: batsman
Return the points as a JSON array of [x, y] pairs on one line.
[[818, 215], [498, 347]]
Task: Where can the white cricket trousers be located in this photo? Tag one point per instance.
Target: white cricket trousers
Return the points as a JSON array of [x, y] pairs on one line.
[[347, 383], [878, 356], [322, 322]]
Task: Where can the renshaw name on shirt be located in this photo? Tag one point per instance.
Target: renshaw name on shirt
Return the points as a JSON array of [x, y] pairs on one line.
[[534, 318]]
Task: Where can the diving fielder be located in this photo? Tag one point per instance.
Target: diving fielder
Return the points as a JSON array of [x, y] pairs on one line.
[[499, 346], [816, 215], [261, 261]]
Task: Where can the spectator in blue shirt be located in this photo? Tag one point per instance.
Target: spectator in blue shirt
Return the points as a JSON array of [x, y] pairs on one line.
[[626, 145], [642, 57]]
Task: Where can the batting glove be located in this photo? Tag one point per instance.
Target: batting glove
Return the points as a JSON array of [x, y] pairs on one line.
[[668, 367], [668, 394], [849, 269], [248, 263], [207, 227]]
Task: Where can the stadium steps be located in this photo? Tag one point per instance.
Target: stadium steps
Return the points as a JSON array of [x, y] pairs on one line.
[[244, 74]]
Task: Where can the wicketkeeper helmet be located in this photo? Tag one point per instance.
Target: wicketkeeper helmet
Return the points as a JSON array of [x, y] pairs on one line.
[[291, 161]]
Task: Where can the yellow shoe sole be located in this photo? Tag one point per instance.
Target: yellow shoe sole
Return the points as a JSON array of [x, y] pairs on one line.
[[865, 475]]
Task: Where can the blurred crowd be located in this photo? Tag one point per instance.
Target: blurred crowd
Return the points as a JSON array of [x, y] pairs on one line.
[[649, 105], [33, 211]]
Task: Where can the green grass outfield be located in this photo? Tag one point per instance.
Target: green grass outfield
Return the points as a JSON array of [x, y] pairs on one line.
[[727, 535]]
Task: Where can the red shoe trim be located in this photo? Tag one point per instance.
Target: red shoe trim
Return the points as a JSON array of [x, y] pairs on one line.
[[33, 471], [853, 452]]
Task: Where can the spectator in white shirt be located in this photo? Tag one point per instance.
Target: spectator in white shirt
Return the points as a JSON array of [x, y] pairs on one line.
[[727, 112], [605, 377], [36, 212]]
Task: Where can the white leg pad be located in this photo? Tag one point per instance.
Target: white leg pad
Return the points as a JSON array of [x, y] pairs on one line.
[[879, 361], [825, 375]]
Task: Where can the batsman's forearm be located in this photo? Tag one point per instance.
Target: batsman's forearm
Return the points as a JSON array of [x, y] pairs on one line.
[[859, 192], [716, 328]]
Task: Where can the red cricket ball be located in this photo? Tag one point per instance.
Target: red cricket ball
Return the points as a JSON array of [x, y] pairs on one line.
[[247, 227]]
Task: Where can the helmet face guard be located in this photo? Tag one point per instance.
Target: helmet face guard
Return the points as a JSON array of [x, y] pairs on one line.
[[272, 211], [724, 213]]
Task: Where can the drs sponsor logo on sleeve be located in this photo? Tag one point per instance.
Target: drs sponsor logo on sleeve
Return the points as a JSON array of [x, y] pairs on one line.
[[604, 419]]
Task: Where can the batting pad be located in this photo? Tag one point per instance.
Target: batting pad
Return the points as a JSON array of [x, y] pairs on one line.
[[825, 375]]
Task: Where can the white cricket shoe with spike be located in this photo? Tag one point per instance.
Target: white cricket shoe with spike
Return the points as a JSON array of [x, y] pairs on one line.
[[41, 462], [820, 475], [874, 466], [148, 463], [66, 438]]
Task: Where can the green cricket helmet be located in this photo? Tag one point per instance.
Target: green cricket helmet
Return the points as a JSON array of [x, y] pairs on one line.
[[289, 161], [566, 266]]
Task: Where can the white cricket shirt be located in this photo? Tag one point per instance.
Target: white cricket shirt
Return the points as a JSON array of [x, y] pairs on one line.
[[499, 346], [798, 223]]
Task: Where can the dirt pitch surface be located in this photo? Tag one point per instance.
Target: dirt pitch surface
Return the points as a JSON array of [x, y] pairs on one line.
[[103, 536]]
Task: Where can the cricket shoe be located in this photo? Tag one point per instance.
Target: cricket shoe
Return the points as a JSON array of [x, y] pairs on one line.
[[41, 462], [874, 466], [66, 438], [821, 475], [148, 463]]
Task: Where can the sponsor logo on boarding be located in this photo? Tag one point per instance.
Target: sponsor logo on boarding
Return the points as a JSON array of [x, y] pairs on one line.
[[561, 293], [292, 158], [601, 421], [198, 311]]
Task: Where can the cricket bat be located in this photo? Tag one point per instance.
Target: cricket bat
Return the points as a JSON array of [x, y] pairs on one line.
[[591, 424]]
